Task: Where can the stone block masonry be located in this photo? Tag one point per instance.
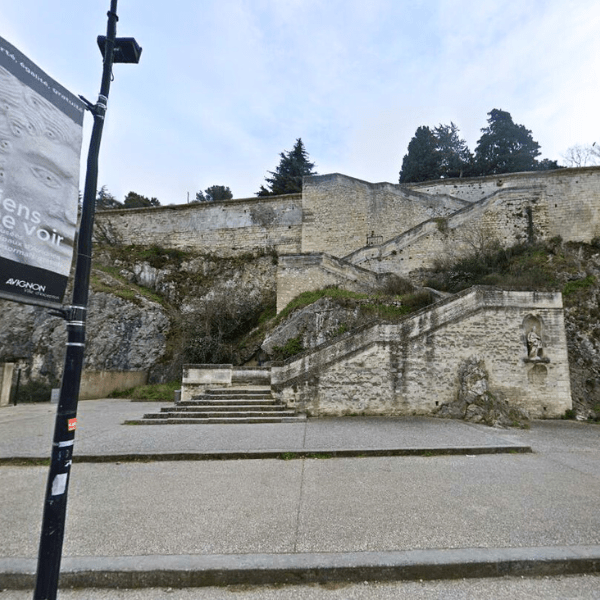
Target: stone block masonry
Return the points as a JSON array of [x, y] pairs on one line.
[[300, 272], [572, 196], [198, 378], [6, 375], [505, 217], [340, 215], [222, 228], [412, 368], [340, 212]]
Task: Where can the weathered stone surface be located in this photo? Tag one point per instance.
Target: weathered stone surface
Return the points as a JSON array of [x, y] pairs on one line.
[[476, 403], [314, 325], [121, 336], [411, 367]]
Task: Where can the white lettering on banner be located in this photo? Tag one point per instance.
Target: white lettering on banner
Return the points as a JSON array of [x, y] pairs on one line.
[[29, 219], [26, 285]]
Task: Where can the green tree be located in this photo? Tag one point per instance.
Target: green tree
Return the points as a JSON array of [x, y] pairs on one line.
[[548, 165], [133, 200], [453, 155], [214, 193], [505, 147], [422, 160], [436, 154], [105, 200], [287, 177]]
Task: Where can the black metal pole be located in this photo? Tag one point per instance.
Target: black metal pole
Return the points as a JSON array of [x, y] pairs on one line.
[[55, 504]]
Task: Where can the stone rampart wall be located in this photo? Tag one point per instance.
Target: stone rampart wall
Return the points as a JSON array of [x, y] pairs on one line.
[[572, 196], [223, 228], [340, 212], [300, 272], [507, 217], [413, 367], [339, 215]]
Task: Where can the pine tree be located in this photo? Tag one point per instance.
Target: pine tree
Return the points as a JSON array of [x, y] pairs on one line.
[[133, 200], [105, 200], [214, 193], [505, 147], [287, 178], [454, 157], [421, 162], [436, 154]]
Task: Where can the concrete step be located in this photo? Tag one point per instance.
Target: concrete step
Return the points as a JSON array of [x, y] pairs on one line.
[[223, 407], [229, 402], [217, 420], [241, 391], [174, 414]]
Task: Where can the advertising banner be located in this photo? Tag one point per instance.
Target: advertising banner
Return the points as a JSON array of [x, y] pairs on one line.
[[40, 147]]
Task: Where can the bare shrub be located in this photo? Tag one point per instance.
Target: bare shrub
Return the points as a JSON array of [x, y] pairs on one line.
[[209, 334], [395, 285]]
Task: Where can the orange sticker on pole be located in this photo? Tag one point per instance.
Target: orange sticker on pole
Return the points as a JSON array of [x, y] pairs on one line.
[[72, 424]]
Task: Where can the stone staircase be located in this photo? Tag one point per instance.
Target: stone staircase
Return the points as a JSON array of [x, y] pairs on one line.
[[229, 405]]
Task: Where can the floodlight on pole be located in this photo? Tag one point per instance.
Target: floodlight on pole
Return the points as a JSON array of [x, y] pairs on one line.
[[126, 50], [55, 504]]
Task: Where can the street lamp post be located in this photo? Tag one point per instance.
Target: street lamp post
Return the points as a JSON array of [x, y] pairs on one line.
[[55, 504]]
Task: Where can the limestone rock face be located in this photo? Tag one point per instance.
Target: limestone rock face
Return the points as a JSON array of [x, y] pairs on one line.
[[139, 312], [120, 336], [475, 402], [124, 336]]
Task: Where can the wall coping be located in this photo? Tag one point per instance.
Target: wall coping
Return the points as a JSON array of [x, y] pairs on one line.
[[199, 205], [502, 176]]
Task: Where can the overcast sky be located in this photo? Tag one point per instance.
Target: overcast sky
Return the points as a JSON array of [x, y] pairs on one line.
[[224, 86]]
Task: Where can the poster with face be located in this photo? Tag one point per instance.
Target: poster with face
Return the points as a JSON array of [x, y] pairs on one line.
[[40, 146]]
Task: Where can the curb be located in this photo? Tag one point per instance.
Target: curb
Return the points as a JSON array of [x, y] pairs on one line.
[[261, 569], [270, 454]]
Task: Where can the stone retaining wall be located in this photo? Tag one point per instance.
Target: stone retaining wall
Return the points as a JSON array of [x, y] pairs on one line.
[[341, 212], [198, 378], [572, 196], [412, 367], [223, 228], [301, 272], [99, 384], [506, 217]]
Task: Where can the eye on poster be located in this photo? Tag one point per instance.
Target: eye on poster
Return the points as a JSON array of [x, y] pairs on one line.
[[40, 146]]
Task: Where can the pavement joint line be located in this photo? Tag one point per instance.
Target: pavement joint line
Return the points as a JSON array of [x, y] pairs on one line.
[[322, 453], [260, 569]]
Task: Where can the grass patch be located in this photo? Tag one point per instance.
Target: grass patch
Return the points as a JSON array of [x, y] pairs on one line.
[[312, 455], [122, 288], [24, 462], [158, 392], [292, 347], [572, 287], [383, 305], [307, 298]]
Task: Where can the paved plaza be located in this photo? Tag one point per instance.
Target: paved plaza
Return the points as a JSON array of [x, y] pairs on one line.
[[321, 503]]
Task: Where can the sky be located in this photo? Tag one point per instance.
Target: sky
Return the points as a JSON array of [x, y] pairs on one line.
[[224, 86]]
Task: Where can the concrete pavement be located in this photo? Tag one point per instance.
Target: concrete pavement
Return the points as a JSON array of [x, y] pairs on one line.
[[26, 431], [190, 522]]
